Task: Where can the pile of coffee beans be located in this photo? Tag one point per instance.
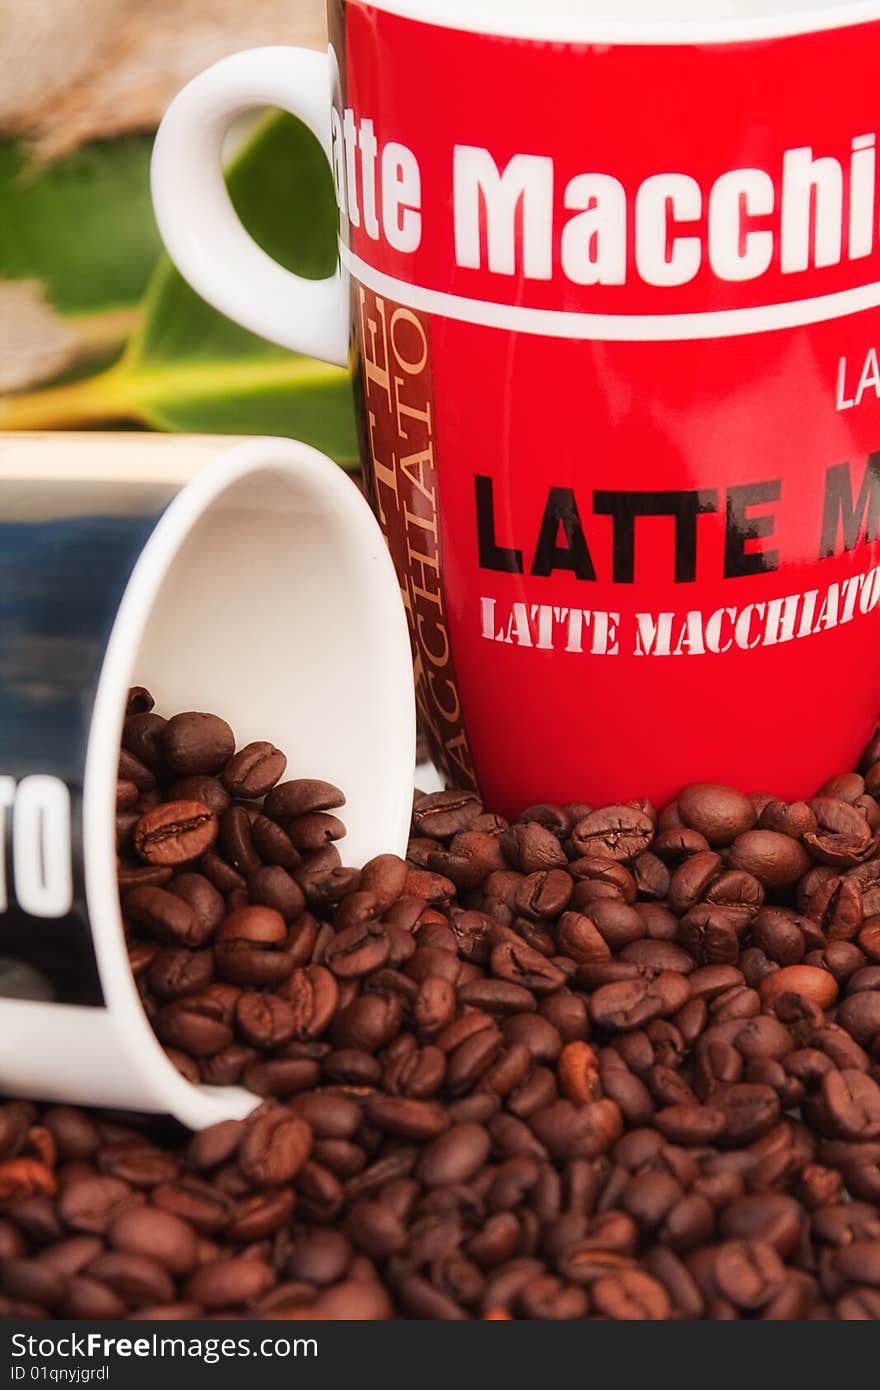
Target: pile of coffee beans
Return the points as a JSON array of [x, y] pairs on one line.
[[597, 1063]]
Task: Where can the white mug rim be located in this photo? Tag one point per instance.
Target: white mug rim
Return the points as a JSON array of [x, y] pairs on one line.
[[630, 31]]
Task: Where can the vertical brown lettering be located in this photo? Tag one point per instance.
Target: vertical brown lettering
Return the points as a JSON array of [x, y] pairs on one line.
[[400, 456]]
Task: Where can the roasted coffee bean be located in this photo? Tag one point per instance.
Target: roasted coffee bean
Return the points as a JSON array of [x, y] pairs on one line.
[[164, 916], [175, 971], [236, 843], [631, 1295], [544, 894], [229, 1283], [543, 1041], [413, 1071], [627, 1091], [273, 844], [658, 955], [210, 791], [407, 1118], [88, 1298], [361, 905], [794, 818], [434, 1006], [454, 1156], [259, 1216], [287, 800], [139, 699], [632, 1003], [368, 1022], [816, 986], [92, 1204], [264, 1020], [358, 951], [750, 1110], [711, 981], [858, 1305], [142, 737], [847, 786], [675, 1277], [675, 843], [578, 1073], [852, 1103], [748, 1272], [272, 886], [314, 830], [518, 964], [274, 1148], [221, 875], [532, 849], [578, 937], [131, 769], [566, 1011], [138, 1280], [126, 795], [775, 860], [497, 997], [710, 934], [376, 1229], [196, 743], [779, 934], [253, 770], [188, 1025], [819, 1186], [281, 1077], [443, 814], [691, 1125], [843, 837], [597, 876], [718, 812], [740, 892], [175, 832], [75, 1134], [312, 993], [471, 857], [206, 902], [471, 1059], [765, 1038], [651, 875], [692, 879], [569, 1131], [859, 1014], [617, 923], [248, 948], [618, 832], [842, 1225]]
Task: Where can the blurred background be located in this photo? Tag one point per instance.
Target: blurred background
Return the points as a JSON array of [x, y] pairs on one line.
[[97, 330]]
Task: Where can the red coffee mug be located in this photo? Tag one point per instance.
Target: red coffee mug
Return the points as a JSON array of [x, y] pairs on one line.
[[615, 286]]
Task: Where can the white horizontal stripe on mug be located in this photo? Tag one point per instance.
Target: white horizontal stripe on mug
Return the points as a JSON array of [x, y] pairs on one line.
[[565, 323]]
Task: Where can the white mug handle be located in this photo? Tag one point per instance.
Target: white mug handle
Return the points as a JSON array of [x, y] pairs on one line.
[[200, 227]]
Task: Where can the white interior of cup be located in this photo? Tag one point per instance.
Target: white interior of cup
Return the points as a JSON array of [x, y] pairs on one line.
[[265, 595]]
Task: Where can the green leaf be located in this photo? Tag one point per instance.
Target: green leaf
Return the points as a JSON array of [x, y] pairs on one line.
[[187, 367], [82, 225], [293, 214]]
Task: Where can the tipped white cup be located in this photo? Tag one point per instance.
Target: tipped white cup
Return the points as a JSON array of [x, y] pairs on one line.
[[264, 594]]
